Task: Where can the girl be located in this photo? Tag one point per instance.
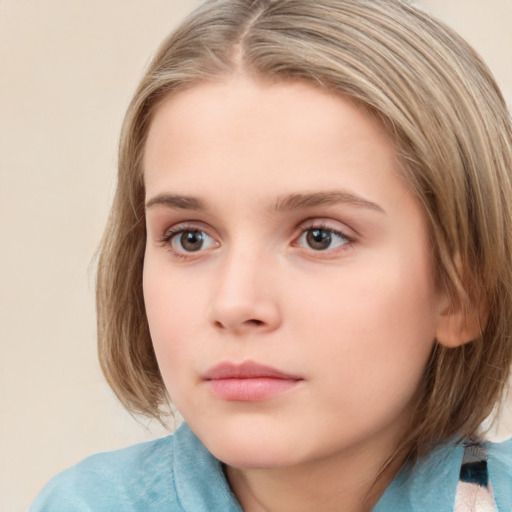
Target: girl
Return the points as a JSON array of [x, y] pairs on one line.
[[309, 254]]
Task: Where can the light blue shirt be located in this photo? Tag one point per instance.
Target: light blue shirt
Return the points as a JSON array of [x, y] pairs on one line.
[[178, 474]]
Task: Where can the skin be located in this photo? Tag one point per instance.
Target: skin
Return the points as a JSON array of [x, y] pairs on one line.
[[355, 321]]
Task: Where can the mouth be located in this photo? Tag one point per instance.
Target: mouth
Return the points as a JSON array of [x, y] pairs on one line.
[[248, 382]]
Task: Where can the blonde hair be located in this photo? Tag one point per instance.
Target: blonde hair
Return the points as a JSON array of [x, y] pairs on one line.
[[453, 136]]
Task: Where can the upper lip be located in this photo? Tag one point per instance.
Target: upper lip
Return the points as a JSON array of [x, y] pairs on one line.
[[246, 370]]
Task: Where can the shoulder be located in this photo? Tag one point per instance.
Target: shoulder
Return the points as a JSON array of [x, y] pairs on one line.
[[500, 472], [176, 473], [114, 480]]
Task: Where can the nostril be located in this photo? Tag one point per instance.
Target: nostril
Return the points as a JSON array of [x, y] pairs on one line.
[[252, 321]]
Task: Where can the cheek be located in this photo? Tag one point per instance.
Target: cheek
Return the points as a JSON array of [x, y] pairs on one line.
[[377, 322], [172, 313], [376, 302]]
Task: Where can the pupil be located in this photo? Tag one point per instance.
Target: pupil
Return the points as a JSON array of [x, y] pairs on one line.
[[319, 239], [191, 240]]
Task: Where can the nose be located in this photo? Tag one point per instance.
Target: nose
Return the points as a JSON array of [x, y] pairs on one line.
[[245, 298]]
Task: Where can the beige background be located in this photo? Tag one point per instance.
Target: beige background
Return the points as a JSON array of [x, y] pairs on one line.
[[67, 70]]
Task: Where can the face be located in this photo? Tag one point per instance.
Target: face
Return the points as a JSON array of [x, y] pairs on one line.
[[287, 274]]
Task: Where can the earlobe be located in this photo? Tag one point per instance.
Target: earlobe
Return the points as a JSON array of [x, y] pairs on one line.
[[458, 325], [461, 319]]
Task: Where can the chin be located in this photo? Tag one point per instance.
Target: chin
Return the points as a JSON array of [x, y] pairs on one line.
[[250, 446], [255, 456]]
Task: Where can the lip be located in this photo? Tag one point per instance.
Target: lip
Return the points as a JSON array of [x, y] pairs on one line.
[[248, 382]]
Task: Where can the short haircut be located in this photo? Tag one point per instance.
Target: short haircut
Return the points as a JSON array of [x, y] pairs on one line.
[[453, 139]]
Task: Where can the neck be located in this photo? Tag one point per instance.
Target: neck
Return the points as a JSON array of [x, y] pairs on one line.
[[350, 482]]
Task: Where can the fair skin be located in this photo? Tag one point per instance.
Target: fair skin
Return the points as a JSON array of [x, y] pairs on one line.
[[280, 233]]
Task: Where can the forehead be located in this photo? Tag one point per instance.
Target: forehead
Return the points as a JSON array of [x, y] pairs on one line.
[[241, 129]]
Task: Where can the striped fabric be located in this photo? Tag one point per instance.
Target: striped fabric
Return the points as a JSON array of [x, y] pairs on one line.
[[474, 492]]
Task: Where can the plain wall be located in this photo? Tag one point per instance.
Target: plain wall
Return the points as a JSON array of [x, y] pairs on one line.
[[67, 71]]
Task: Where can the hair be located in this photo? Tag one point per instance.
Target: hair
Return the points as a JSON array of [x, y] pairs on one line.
[[453, 137]]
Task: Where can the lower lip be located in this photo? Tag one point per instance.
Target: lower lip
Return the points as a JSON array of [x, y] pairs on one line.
[[253, 389]]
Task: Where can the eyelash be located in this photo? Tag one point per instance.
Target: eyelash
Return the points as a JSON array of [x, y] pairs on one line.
[[304, 229], [311, 226], [179, 229]]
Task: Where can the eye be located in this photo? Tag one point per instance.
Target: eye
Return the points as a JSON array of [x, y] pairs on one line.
[[321, 239], [190, 240]]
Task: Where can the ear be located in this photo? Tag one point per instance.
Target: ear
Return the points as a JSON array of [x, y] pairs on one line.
[[457, 325]]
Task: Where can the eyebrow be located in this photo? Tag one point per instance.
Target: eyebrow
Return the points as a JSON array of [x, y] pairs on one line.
[[304, 201], [283, 203], [176, 201]]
